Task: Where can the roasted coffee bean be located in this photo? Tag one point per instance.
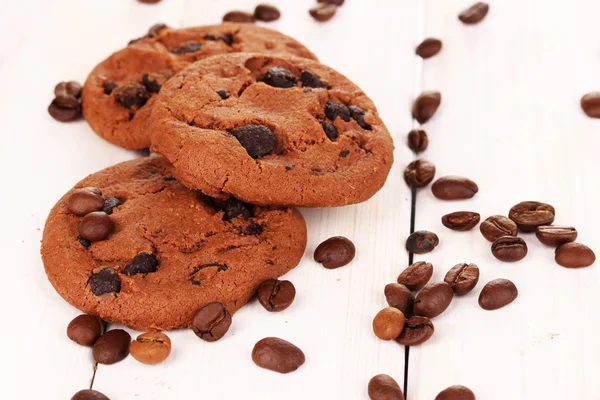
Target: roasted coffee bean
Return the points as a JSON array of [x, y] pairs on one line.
[[131, 96], [239, 17], [156, 29], [388, 323], [84, 201], [223, 94], [461, 220], [497, 293], [275, 295], [236, 208], [496, 226], [474, 14], [416, 275], [258, 140], [277, 355], [554, 235], [334, 110], [143, 263], [109, 87], [528, 215], [590, 103], [84, 330], [323, 12], [112, 347], [384, 387], [336, 2], [421, 242], [417, 140], [211, 322], [105, 281], [429, 48], [151, 347], [187, 48], [400, 297], [71, 88], [154, 80], [358, 114], [454, 188], [456, 392], [574, 255], [149, 1], [89, 394], [280, 78], [417, 330], [462, 278], [266, 13], [433, 299], [109, 204], [64, 108], [419, 173], [310, 79], [509, 248], [425, 106], [335, 252], [330, 131], [96, 226]]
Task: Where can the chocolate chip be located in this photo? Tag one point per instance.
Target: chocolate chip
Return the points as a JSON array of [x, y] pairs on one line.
[[309, 79], [223, 94], [334, 110], [96, 226], [109, 87], [186, 48], [330, 130], [277, 355], [417, 140], [84, 201], [266, 13], [65, 108], [109, 204], [156, 29], [105, 281], [344, 153], [384, 387], [429, 47], [474, 14], [70, 88], [425, 106], [236, 208], [421, 242], [590, 104], [83, 242], [258, 140], [358, 114], [112, 347], [154, 80], [227, 38], [280, 78], [89, 394], [275, 295], [323, 12], [131, 95], [143, 263], [239, 16], [419, 173], [211, 322], [84, 330], [335, 252], [253, 229], [196, 277]]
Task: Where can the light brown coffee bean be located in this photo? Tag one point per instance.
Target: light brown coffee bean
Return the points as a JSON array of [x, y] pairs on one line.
[[574, 255], [384, 387], [277, 355], [454, 188], [462, 278], [416, 275], [417, 140], [335, 252], [417, 330], [496, 226], [429, 48], [419, 173], [433, 299], [461, 220], [528, 215], [388, 323], [425, 105], [456, 392], [112, 347], [151, 347], [323, 12], [400, 297], [474, 14], [84, 201], [554, 235], [497, 294], [84, 330], [590, 103]]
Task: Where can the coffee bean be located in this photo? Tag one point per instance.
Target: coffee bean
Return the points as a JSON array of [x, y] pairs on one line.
[[96, 226], [143, 263], [456, 392], [105, 281], [336, 2], [384, 387], [574, 255], [84, 330], [497, 293], [236, 208], [334, 110], [239, 17], [416, 275], [429, 48], [131, 96], [509, 248], [109, 87], [280, 78], [417, 140], [454, 188], [149, 1], [112, 347], [419, 173], [388, 323], [400, 297], [156, 29], [461, 220], [335, 252], [462, 278], [275, 295], [330, 131], [70, 88], [84, 201], [425, 106], [266, 13], [496, 226], [417, 330], [433, 299], [64, 108], [421, 242], [474, 14], [151, 347], [528, 215], [211, 322], [89, 394], [590, 103], [223, 94], [154, 80], [310, 79], [277, 355], [258, 140], [554, 235], [323, 12], [358, 114], [109, 204]]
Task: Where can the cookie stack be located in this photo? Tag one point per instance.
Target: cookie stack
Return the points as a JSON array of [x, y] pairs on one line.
[[247, 125]]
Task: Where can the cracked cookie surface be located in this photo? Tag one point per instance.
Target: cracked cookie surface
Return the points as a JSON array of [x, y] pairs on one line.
[[172, 250], [290, 131]]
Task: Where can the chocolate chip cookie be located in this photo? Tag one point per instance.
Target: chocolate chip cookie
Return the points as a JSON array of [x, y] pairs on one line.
[[289, 131], [119, 93], [148, 253]]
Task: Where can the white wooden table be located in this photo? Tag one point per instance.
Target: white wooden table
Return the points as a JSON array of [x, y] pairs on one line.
[[510, 120]]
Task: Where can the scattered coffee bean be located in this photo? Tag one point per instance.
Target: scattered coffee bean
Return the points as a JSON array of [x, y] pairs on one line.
[[96, 226], [311, 80], [429, 48], [509, 248], [275, 295], [236, 208], [474, 14], [112, 347], [384, 387], [419, 173], [239, 17], [211, 322], [421, 242], [574, 255], [454, 188], [416, 275], [388, 323], [433, 299], [65, 108], [258, 140], [590, 103], [109, 204], [554, 235], [330, 130], [109, 87], [336, 2], [89, 394], [456, 392], [461, 220], [358, 114], [417, 330], [104, 282], [425, 106], [131, 96], [334, 110], [156, 29], [528, 215], [277, 355], [153, 81], [143, 263], [496, 226], [151, 347], [84, 330], [266, 13], [280, 78], [462, 278], [70, 88], [497, 293], [223, 94], [323, 12], [417, 140], [84, 201], [400, 297], [335, 252]]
